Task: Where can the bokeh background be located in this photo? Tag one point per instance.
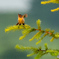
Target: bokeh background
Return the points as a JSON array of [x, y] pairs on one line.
[[9, 10]]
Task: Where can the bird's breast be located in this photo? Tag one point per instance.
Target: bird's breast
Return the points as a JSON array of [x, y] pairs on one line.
[[21, 20]]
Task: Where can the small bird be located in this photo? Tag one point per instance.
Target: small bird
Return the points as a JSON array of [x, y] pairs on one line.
[[21, 19]]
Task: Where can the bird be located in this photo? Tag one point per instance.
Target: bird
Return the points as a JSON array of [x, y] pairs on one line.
[[21, 19]]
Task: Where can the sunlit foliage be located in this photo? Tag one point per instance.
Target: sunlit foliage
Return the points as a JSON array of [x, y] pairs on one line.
[[53, 10], [39, 51], [26, 29], [16, 27], [51, 1]]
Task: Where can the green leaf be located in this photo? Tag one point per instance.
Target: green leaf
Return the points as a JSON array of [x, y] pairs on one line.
[[22, 47], [54, 53], [41, 38], [38, 23], [46, 47], [38, 56], [52, 39], [39, 35], [30, 54], [17, 27], [57, 35], [25, 32], [47, 29]]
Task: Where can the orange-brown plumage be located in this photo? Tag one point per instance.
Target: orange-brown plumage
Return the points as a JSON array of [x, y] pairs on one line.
[[21, 19]]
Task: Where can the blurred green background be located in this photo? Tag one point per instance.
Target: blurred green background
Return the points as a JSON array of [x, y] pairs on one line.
[[9, 10]]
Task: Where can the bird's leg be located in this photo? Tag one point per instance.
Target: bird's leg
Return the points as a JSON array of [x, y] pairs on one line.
[[17, 23], [20, 24], [23, 23]]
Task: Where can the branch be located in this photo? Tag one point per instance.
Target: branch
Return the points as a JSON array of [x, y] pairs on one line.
[[39, 51]]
